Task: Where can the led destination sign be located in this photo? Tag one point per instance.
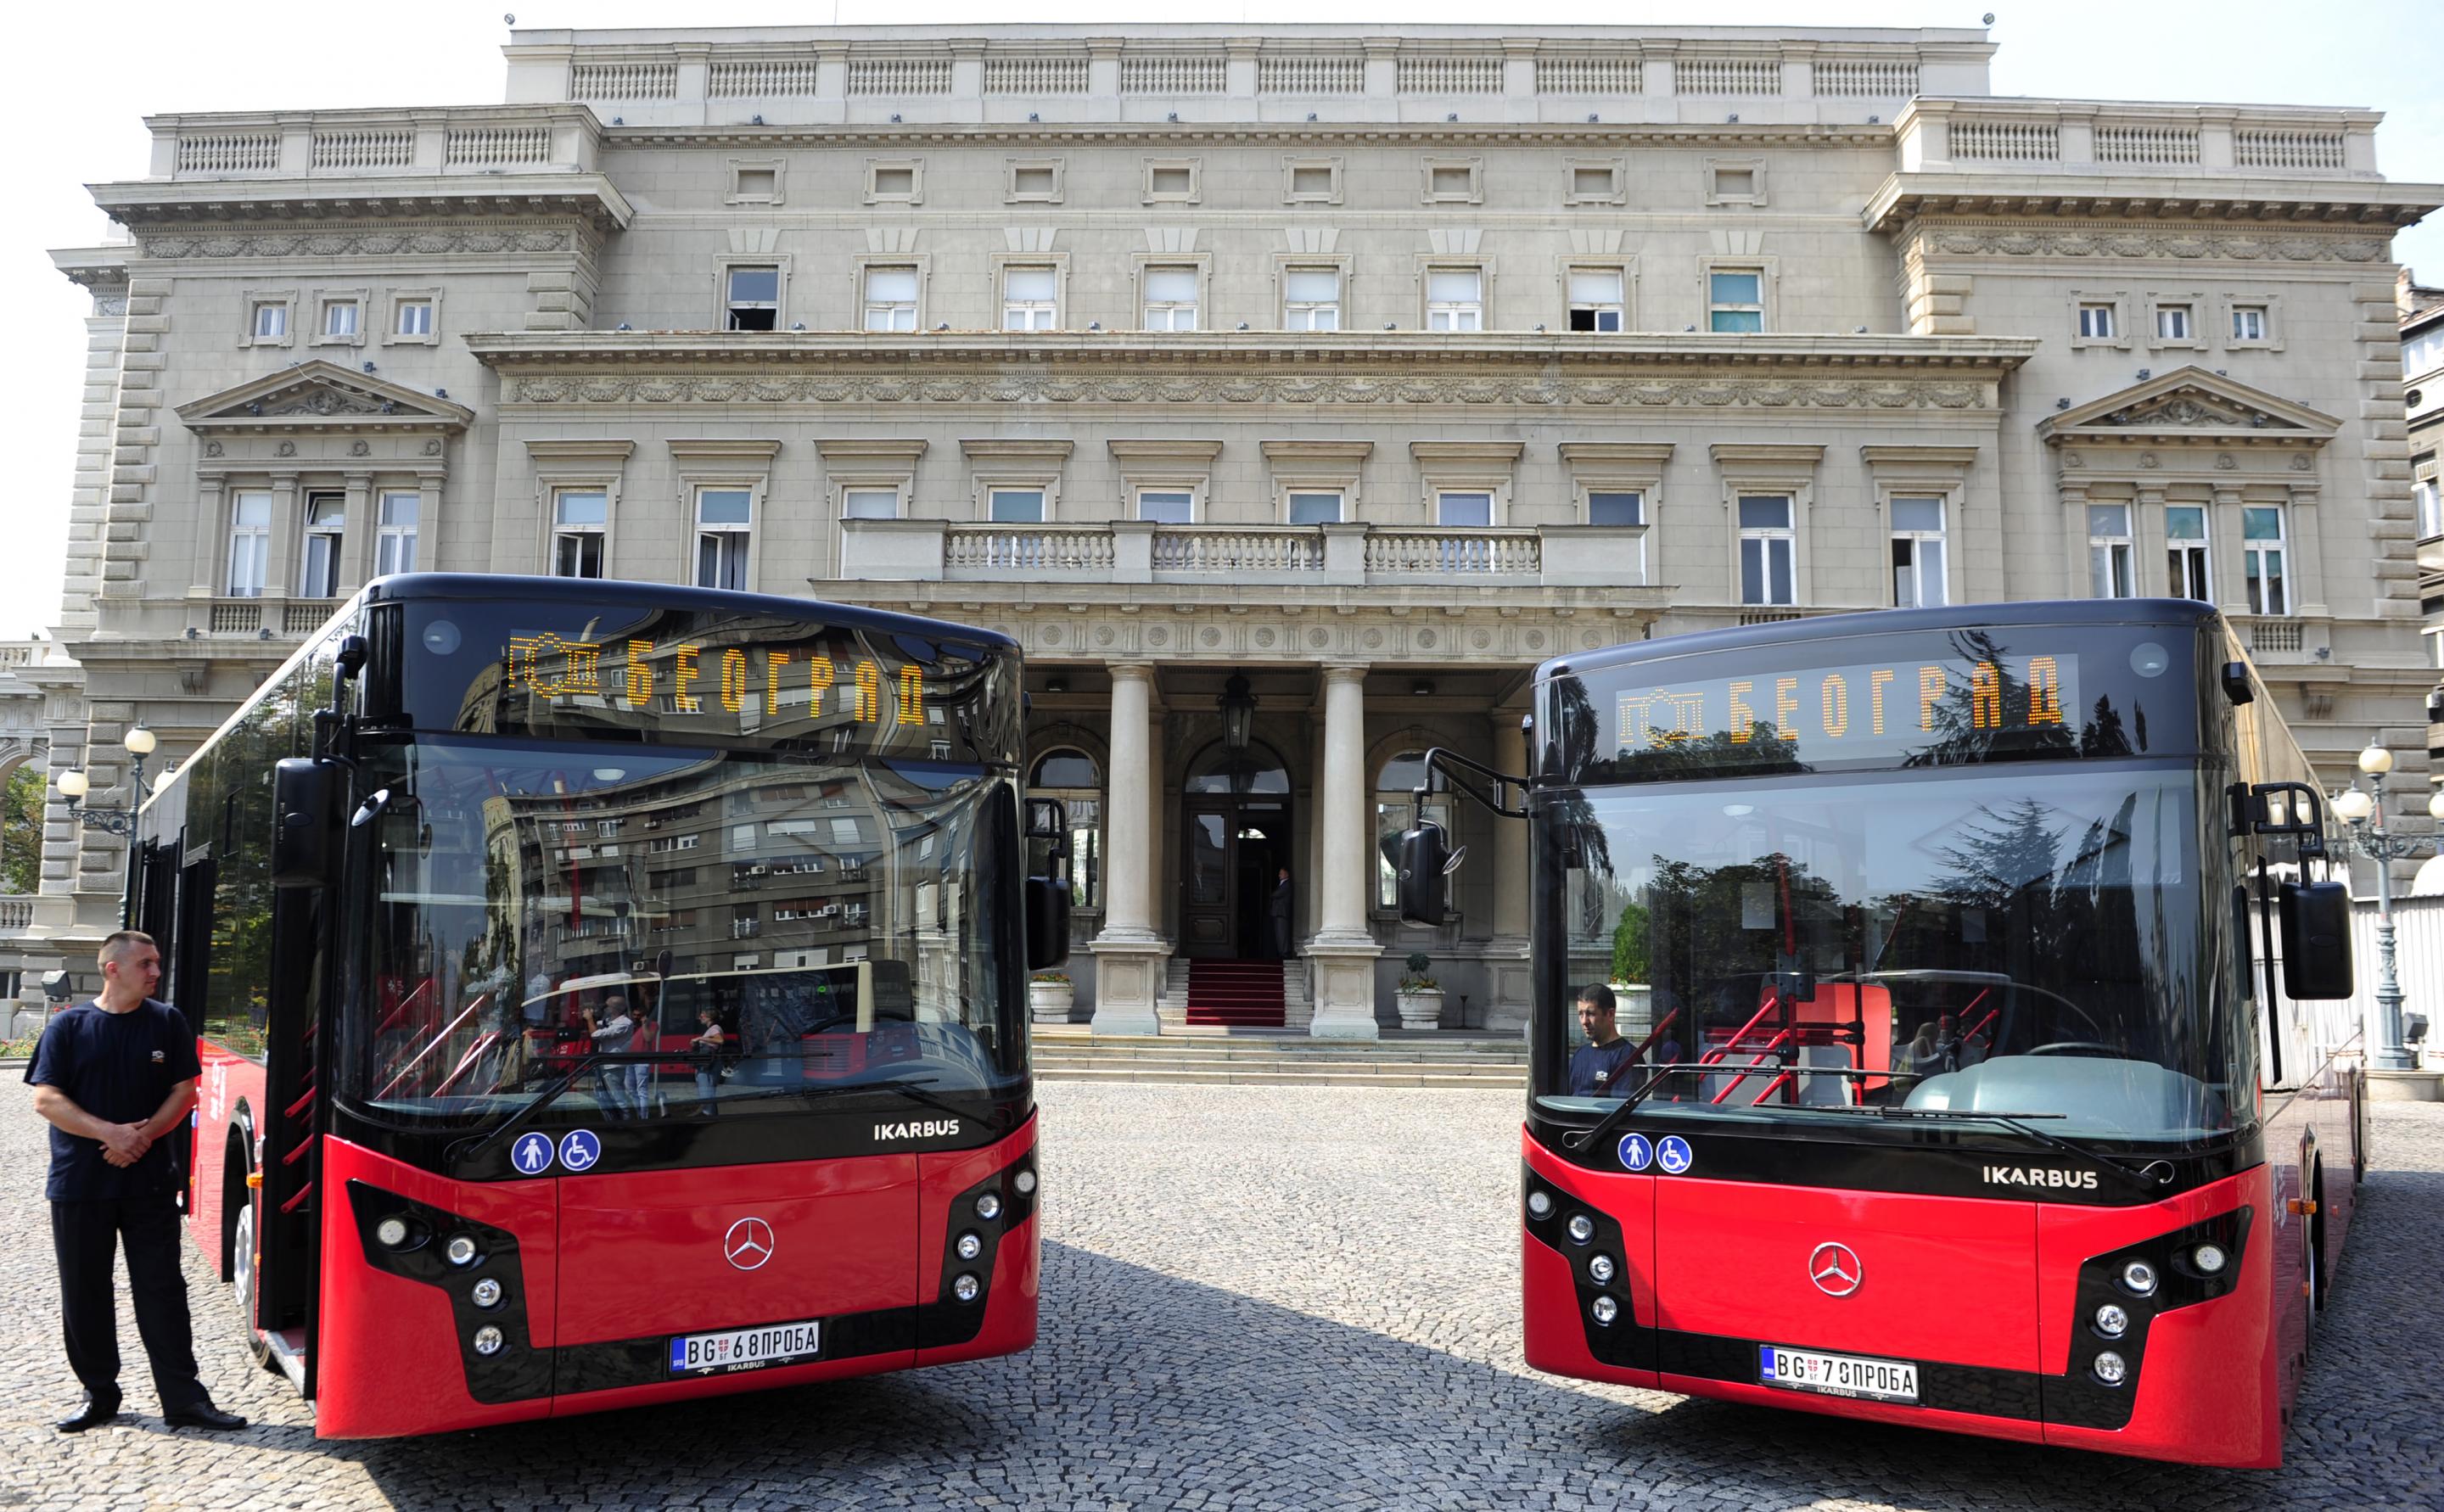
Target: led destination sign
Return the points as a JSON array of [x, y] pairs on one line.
[[1895, 708], [685, 677]]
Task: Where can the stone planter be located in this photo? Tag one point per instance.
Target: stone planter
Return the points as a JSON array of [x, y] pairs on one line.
[[1048, 1002], [1420, 1009], [1635, 1004]]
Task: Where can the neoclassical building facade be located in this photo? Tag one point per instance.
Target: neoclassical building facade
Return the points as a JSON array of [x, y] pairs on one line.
[[1288, 392]]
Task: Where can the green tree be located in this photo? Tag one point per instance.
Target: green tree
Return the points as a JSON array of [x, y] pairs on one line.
[[21, 830], [1629, 943]]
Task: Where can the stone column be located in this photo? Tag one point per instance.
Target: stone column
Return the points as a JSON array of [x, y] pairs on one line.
[[1129, 954], [1344, 947], [1506, 953]]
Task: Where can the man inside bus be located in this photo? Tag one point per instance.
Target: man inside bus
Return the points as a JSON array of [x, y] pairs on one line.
[[611, 1031], [1606, 1065], [115, 1077]]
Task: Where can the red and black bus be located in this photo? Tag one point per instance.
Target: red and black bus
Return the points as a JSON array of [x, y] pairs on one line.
[[610, 993], [1979, 964]]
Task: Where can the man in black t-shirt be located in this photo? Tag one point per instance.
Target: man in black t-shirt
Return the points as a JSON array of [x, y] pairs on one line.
[[1606, 1065], [115, 1077]]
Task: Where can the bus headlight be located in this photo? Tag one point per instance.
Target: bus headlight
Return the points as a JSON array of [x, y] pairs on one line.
[[1583, 1229], [1540, 1204], [2210, 1259], [966, 1289], [393, 1232], [1600, 1268], [989, 1205], [461, 1250], [2111, 1321], [970, 1246], [486, 1293], [1604, 1310], [2112, 1369], [1025, 1182], [487, 1341], [2138, 1278]]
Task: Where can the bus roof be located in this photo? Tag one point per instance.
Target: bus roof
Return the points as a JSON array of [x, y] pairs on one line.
[[1887, 622], [491, 586]]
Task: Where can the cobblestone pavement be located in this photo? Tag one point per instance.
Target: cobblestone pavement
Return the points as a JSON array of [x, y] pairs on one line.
[[1253, 1297]]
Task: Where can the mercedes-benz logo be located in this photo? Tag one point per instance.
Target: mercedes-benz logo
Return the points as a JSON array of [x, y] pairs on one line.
[[748, 1243], [1835, 1269]]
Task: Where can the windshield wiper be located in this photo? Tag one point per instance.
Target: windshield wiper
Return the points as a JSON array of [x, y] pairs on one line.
[[1579, 1140], [909, 1087], [2019, 1123]]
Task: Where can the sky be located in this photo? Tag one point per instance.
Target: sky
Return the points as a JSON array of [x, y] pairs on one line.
[[85, 81]]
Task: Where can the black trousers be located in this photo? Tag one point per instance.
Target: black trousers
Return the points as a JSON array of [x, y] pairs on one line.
[[86, 1236]]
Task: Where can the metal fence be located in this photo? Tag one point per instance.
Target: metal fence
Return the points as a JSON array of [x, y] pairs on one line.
[[2418, 962]]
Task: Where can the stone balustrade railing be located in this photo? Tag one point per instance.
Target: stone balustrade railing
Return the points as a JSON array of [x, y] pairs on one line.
[[1333, 555], [16, 913], [1188, 73], [1991, 135], [376, 144]]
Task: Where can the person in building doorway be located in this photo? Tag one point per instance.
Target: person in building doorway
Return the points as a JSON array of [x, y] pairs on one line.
[[115, 1077], [1281, 911], [1606, 1065]]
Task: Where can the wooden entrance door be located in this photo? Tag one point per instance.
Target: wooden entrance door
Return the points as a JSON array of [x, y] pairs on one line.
[[1231, 853]]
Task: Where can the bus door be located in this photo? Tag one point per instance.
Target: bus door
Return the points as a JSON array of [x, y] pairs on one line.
[[289, 1125]]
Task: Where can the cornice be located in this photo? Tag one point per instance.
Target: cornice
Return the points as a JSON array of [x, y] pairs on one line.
[[1906, 198], [153, 203], [1164, 136]]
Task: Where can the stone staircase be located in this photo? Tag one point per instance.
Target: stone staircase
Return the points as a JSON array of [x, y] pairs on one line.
[[1236, 994], [1219, 1057]]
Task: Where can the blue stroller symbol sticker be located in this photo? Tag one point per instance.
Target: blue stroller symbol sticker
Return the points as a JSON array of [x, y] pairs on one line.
[[1635, 1152], [1673, 1154], [531, 1154], [580, 1149]]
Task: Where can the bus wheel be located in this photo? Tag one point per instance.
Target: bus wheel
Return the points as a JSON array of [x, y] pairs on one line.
[[2318, 1280], [2358, 1127], [242, 1284]]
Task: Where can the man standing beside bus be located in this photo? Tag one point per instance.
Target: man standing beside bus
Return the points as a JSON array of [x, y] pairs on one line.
[[115, 1077]]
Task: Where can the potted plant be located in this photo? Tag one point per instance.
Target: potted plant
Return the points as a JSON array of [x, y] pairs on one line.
[[1419, 1000], [1048, 996]]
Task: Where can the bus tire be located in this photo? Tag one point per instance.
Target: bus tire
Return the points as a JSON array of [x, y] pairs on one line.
[[2320, 1278], [245, 1257], [2359, 1127]]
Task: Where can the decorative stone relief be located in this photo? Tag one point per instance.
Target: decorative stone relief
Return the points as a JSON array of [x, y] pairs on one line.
[[2093, 242], [359, 448], [439, 242], [287, 449], [2300, 461], [213, 449]]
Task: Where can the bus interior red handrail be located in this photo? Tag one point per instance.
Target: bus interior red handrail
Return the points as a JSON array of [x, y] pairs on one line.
[[446, 1031]]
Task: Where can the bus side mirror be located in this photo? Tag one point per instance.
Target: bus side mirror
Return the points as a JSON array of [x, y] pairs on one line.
[[302, 792], [1047, 922], [1425, 860], [2316, 924]]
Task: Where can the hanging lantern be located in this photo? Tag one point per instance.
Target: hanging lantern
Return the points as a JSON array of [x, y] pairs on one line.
[[1238, 712]]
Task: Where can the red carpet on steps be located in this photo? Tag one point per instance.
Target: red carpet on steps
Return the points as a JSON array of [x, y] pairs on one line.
[[1241, 994]]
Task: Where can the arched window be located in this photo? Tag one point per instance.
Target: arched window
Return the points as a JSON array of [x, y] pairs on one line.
[[1220, 769], [1071, 776], [1395, 796]]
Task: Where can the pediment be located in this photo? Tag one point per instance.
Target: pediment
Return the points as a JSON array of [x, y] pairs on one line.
[[2192, 404], [323, 396]]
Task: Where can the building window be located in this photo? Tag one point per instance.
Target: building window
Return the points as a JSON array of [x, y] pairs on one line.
[[1453, 181], [901, 182], [1312, 298], [1735, 183], [2096, 322], [2261, 529], [1315, 507], [1735, 300], [341, 320], [755, 184], [272, 320], [1166, 506], [1034, 182], [1766, 546], [723, 517], [2173, 322], [1396, 797], [415, 318], [891, 298], [753, 299], [1596, 303], [250, 543], [578, 518], [2185, 552], [2109, 551], [1917, 554], [869, 504], [1595, 183], [1170, 181], [1616, 508], [1170, 298], [395, 536], [327, 522], [2428, 495], [1312, 180], [1031, 295], [1015, 506], [1454, 299], [2249, 324], [1071, 776], [1463, 509]]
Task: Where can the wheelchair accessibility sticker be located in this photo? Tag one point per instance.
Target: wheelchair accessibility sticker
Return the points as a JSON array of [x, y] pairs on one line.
[[580, 1149], [1673, 1154]]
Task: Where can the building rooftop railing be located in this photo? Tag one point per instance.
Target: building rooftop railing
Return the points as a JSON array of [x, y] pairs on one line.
[[1986, 135], [492, 141]]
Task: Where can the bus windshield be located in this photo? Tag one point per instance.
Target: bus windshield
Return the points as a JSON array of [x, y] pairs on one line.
[[651, 933], [2033, 944]]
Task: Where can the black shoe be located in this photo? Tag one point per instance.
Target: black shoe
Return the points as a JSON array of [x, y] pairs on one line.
[[96, 1411], [205, 1415]]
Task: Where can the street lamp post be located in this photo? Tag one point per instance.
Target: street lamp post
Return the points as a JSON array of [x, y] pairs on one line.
[[2364, 810], [74, 785]]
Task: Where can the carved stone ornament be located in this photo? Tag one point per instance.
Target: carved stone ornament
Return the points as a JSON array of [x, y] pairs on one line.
[[836, 388], [433, 447], [2300, 461], [2072, 459], [287, 449], [438, 241], [359, 448], [2224, 462], [213, 449], [2147, 459], [2236, 246]]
